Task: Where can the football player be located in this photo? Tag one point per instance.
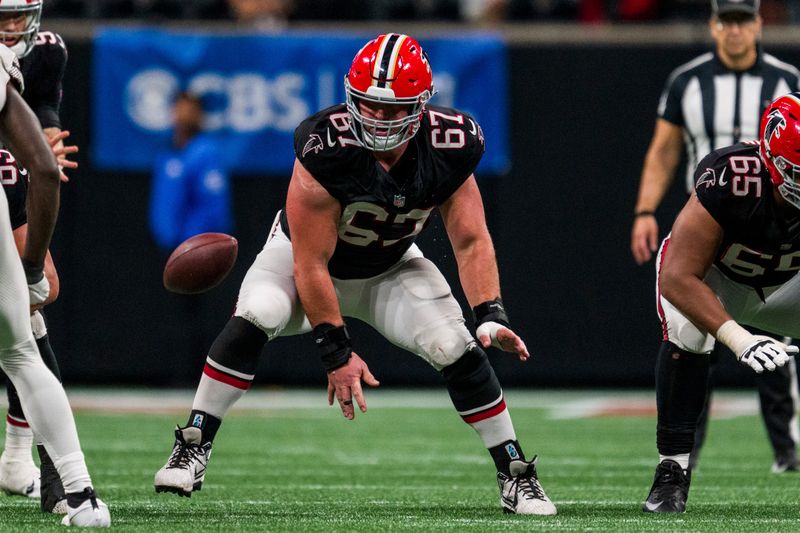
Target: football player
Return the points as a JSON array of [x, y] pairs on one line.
[[43, 57], [23, 283], [732, 258], [367, 176]]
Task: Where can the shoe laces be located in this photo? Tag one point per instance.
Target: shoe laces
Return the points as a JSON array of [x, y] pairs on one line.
[[668, 477], [184, 454], [528, 483]]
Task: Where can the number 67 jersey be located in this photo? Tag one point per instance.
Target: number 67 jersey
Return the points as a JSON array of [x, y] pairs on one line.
[[761, 238], [383, 212]]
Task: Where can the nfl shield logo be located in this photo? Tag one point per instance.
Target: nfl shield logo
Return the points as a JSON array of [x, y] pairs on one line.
[[399, 200]]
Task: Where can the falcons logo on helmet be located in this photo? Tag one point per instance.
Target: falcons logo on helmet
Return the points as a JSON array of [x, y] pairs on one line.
[[776, 123]]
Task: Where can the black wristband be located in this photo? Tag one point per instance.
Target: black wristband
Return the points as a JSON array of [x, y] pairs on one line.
[[334, 345], [490, 311], [638, 214], [33, 272]]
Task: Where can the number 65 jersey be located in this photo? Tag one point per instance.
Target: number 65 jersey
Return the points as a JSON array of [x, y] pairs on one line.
[[383, 212], [761, 239]]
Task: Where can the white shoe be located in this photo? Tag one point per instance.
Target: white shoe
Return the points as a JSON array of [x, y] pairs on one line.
[[521, 493], [19, 477], [186, 466], [92, 512]]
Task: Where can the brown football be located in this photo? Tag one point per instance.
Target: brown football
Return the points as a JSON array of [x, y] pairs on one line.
[[200, 263]]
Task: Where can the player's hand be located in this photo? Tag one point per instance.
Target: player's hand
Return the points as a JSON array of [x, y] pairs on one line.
[[344, 384], [499, 336], [766, 353], [38, 286], [61, 151], [644, 238]]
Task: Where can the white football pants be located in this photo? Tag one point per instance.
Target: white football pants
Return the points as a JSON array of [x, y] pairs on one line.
[[410, 304], [779, 313], [42, 396]]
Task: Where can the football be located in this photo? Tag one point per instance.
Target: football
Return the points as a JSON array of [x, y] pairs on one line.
[[200, 263]]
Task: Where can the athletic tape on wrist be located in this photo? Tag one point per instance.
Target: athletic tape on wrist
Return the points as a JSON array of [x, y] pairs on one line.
[[334, 345], [734, 337]]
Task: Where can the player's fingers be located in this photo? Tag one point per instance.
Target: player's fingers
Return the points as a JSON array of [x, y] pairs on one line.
[[345, 401], [358, 394], [369, 379], [486, 341], [63, 177], [791, 350], [66, 163], [60, 136], [331, 391]]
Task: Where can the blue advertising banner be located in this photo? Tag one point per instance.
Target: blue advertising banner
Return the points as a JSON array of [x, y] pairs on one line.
[[258, 88]]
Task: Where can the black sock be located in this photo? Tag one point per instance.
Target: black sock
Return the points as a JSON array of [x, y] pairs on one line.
[[48, 356], [504, 453], [208, 424], [681, 385], [14, 405]]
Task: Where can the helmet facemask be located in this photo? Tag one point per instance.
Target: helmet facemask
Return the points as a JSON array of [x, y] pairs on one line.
[[25, 38], [790, 188], [382, 135]]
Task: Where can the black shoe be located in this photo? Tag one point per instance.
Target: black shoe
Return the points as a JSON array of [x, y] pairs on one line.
[[670, 489], [785, 462], [53, 497]]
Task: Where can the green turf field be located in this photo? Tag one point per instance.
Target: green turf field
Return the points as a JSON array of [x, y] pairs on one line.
[[419, 468]]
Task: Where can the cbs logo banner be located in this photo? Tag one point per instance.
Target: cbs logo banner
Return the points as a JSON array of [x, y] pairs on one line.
[[257, 89]]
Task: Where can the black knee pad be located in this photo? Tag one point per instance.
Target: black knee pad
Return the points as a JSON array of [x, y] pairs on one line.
[[471, 380], [238, 346], [681, 388]]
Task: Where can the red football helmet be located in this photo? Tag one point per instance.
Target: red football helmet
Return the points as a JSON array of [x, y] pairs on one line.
[[780, 145], [392, 73]]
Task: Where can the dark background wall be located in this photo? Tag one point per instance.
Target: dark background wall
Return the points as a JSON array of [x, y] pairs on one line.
[[581, 117]]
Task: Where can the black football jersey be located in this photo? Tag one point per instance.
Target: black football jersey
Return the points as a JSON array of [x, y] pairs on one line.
[[43, 70], [761, 240], [15, 185], [383, 212]]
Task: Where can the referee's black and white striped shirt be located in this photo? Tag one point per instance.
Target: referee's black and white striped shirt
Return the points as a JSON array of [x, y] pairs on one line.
[[717, 106]]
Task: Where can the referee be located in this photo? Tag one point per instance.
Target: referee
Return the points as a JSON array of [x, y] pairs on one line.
[[716, 100]]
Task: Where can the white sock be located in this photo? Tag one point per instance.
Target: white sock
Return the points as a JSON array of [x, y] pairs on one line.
[[220, 387], [19, 440], [47, 410], [682, 459]]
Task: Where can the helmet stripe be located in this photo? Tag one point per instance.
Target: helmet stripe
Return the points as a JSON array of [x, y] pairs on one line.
[[392, 73], [386, 53], [794, 96]]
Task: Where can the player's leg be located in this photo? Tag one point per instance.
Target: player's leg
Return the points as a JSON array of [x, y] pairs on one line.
[[702, 421], [413, 307], [17, 470], [43, 398], [18, 473], [53, 497], [267, 307], [682, 367]]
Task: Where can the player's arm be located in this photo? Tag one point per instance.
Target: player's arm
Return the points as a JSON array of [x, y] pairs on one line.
[[465, 221], [21, 132], [313, 216], [693, 245], [50, 272], [660, 163]]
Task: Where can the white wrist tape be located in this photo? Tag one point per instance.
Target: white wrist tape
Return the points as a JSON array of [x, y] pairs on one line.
[[734, 337]]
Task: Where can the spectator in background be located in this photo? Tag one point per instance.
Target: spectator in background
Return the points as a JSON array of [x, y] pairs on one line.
[[262, 14], [191, 190]]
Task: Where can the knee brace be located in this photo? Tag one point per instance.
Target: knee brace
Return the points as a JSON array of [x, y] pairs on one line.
[[471, 381], [681, 388], [238, 346]]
